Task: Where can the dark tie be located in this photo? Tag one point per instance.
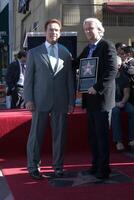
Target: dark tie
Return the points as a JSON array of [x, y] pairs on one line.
[[23, 68], [91, 49]]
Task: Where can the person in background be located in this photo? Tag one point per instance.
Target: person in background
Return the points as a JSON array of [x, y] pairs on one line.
[[119, 46], [48, 91], [100, 97], [122, 104], [120, 53], [15, 80], [128, 66]]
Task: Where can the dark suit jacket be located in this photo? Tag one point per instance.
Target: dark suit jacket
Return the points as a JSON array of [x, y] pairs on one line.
[[107, 69], [12, 76]]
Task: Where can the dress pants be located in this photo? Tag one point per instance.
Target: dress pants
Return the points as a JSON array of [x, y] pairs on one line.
[[36, 138], [99, 140]]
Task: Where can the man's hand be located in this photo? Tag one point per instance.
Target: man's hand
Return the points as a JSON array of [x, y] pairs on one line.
[[120, 104], [30, 106], [91, 90]]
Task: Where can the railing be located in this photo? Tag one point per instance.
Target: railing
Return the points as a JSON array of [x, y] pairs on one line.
[[74, 14]]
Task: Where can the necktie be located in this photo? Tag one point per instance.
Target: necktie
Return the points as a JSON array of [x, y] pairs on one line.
[[23, 68], [91, 49], [52, 53]]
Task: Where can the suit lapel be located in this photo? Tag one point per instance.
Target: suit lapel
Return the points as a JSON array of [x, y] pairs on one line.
[[60, 62], [98, 47], [17, 70], [44, 55]]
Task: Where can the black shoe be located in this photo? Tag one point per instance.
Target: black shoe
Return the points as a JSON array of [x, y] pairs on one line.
[[58, 173], [102, 176], [37, 175], [91, 171]]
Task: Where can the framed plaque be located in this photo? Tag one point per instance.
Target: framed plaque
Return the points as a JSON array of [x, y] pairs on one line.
[[87, 73]]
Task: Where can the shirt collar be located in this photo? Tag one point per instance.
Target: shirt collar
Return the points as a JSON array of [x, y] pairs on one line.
[[47, 44], [95, 43], [20, 63]]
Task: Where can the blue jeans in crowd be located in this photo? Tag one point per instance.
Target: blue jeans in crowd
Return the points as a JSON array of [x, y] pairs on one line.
[[116, 122]]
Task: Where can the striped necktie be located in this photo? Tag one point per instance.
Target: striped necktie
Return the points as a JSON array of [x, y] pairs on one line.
[[52, 53]]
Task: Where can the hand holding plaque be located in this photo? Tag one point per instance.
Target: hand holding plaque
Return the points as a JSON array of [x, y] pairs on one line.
[[87, 73]]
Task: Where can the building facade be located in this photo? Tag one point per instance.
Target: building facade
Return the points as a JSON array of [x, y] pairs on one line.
[[30, 16], [117, 18]]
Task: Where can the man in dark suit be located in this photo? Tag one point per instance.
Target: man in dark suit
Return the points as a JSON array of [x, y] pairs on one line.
[[48, 89], [100, 97], [15, 80]]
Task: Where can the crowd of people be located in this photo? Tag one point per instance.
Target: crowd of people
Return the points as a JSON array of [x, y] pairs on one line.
[[124, 95], [42, 81]]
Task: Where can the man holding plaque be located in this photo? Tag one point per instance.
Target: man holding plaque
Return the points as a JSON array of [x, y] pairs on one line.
[[99, 98]]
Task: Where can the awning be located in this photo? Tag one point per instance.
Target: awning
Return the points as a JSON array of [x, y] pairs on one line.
[[119, 7]]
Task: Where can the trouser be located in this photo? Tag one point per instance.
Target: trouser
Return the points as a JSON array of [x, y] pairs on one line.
[[36, 138], [98, 122], [117, 123]]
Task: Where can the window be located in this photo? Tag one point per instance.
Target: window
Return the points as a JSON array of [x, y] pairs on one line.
[[117, 19], [74, 14], [118, 14]]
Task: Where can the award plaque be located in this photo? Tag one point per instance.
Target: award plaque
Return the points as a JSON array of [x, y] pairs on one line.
[[87, 73]]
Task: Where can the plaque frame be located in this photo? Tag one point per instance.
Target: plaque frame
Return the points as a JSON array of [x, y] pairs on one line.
[[88, 70]]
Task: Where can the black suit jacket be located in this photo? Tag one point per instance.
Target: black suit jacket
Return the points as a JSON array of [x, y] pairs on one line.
[[12, 76], [104, 100]]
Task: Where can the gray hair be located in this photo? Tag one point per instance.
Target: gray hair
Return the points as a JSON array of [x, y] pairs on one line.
[[97, 22]]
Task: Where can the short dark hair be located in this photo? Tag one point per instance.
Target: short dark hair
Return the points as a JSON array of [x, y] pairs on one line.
[[128, 49], [50, 21], [119, 45], [21, 54]]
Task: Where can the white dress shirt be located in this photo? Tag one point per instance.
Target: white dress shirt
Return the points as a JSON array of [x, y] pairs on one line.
[[21, 78], [53, 60]]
